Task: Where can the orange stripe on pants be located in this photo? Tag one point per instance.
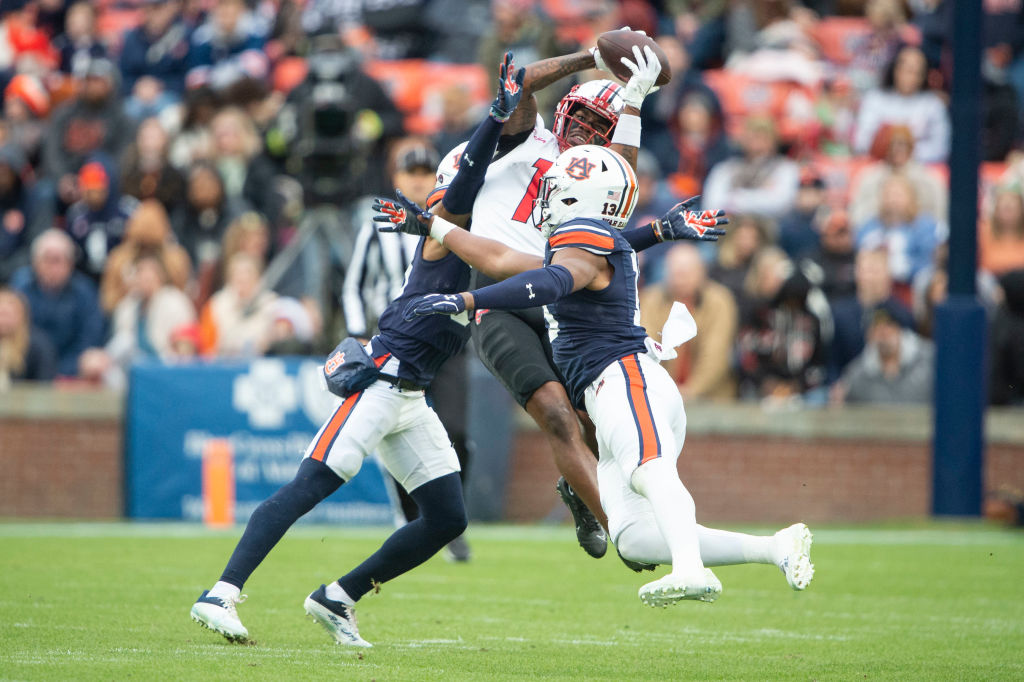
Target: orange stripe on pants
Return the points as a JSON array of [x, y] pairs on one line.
[[333, 426], [637, 393]]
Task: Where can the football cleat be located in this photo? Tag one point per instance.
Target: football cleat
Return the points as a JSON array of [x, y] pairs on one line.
[[337, 618], [794, 552], [636, 566], [458, 550], [589, 532], [676, 587], [220, 616]]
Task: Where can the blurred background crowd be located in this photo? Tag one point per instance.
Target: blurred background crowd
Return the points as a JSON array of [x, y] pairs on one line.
[[189, 179]]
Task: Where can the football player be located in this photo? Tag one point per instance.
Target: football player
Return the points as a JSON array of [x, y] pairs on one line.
[[390, 417], [587, 281], [513, 343]]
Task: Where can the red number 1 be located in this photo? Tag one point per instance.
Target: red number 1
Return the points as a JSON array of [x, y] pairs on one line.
[[525, 207]]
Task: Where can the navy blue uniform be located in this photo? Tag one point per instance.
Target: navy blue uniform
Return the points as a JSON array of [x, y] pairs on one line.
[[423, 344], [591, 329]]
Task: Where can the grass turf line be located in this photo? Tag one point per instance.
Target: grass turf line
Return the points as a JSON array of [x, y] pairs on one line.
[[88, 602]]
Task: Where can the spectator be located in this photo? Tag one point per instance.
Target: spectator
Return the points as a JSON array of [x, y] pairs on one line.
[[23, 47], [1007, 343], [797, 233], [238, 154], [782, 342], [896, 367], [227, 48], [142, 323], [517, 26], [154, 58], [80, 42], [653, 200], [836, 112], [701, 24], [97, 221], [893, 149], [194, 142], [781, 49], [237, 320], [26, 354], [904, 100], [26, 105], [874, 51], [62, 302], [20, 217], [835, 255], [91, 122], [147, 173], [699, 142], [852, 314], [909, 236], [761, 181], [200, 222], [459, 116], [746, 237], [148, 233], [292, 330], [1001, 237], [931, 287], [702, 368], [248, 233]]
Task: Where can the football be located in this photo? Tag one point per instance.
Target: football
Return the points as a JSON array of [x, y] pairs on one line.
[[614, 45]]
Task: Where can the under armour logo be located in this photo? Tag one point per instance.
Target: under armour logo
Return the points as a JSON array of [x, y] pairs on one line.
[[529, 287]]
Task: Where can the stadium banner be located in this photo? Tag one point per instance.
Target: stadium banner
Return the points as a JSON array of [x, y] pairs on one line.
[[267, 411]]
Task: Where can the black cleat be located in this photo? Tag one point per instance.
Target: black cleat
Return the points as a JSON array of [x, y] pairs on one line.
[[636, 565], [589, 532]]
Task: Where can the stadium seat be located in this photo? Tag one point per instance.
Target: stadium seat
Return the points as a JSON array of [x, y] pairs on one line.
[[840, 37]]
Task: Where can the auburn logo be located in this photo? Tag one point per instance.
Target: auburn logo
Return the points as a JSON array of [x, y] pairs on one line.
[[579, 168], [334, 362]]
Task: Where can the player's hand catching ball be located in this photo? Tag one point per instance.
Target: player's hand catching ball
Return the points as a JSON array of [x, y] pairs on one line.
[[434, 304], [645, 68], [681, 223], [401, 215], [510, 89]]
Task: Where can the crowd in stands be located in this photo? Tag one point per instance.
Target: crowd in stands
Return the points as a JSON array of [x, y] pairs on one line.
[[182, 179]]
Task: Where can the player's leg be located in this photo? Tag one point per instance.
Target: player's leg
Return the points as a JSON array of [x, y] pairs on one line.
[[514, 348], [332, 457], [419, 455]]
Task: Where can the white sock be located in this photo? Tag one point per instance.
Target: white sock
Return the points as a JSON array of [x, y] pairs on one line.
[[674, 511], [722, 547], [223, 590], [336, 592]]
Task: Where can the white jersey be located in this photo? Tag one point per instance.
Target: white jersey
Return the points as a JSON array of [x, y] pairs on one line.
[[503, 206]]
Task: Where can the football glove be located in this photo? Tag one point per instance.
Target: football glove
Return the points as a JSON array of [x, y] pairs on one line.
[[680, 223], [510, 89], [434, 304], [645, 68], [401, 215]]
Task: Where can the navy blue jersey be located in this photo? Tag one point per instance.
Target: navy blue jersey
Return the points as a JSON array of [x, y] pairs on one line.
[[589, 330], [423, 344]]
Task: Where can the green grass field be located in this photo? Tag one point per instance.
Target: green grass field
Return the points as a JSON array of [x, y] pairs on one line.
[[111, 602]]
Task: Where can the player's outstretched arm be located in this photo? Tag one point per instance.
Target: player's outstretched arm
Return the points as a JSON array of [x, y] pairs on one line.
[[645, 68], [679, 223]]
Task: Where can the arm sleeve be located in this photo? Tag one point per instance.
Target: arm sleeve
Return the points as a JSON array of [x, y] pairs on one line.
[[641, 238], [462, 191], [526, 290]]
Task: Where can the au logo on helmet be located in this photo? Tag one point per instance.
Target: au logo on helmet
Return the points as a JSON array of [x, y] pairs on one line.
[[579, 168]]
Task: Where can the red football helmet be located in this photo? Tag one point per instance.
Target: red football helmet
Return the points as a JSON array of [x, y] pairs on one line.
[[603, 99]]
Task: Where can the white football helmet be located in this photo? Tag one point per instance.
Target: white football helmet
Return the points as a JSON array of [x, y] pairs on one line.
[[603, 99], [587, 181]]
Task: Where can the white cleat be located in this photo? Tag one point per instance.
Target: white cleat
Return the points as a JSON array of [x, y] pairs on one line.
[[794, 547], [220, 616], [337, 618], [675, 587]]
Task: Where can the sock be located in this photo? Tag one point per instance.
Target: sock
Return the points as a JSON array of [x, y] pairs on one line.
[[336, 592], [442, 519], [722, 547], [275, 515], [225, 590], [674, 511]]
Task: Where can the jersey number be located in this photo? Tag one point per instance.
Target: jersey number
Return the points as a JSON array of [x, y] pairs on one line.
[[610, 209], [525, 207]]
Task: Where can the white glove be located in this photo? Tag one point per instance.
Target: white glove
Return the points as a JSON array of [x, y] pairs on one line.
[[645, 69], [599, 60]]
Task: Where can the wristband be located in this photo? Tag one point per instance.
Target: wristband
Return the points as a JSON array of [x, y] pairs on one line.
[[439, 229], [627, 131]]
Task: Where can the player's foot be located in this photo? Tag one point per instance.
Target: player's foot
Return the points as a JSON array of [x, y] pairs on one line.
[[677, 587], [636, 566], [457, 550], [589, 532], [220, 616], [794, 555], [337, 618]]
